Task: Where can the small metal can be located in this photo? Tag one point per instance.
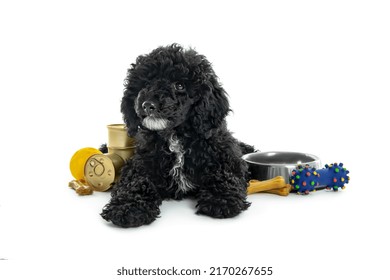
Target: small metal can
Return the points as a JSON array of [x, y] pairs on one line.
[[124, 153], [119, 142], [117, 136], [102, 170]]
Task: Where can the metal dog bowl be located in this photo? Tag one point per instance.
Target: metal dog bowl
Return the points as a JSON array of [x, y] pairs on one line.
[[267, 165]]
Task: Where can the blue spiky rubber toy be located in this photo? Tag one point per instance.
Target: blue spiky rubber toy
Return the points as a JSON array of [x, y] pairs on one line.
[[306, 179]]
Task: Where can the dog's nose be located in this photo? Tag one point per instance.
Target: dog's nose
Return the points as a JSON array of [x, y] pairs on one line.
[[149, 107]]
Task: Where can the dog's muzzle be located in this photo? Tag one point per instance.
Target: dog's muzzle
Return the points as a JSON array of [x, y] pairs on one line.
[[151, 121], [154, 123]]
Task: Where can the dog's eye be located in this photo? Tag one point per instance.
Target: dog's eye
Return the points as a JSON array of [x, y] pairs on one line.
[[179, 86]]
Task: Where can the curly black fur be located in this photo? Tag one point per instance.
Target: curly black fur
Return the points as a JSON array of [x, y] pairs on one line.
[[175, 107], [103, 148]]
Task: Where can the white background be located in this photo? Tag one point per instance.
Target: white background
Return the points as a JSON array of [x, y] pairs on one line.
[[304, 76]]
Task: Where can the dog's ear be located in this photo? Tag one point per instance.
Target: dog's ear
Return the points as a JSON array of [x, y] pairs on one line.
[[132, 87], [212, 107], [129, 115]]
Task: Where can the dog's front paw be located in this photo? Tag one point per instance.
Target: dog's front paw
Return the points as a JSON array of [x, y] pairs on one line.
[[219, 207], [130, 214]]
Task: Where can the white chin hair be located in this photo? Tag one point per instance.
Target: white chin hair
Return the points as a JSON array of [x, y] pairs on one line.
[[155, 123]]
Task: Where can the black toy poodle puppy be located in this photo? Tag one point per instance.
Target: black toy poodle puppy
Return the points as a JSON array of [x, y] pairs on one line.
[[175, 108]]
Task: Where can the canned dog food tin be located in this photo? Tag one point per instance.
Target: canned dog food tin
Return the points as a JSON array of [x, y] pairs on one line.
[[124, 153], [101, 171], [117, 136]]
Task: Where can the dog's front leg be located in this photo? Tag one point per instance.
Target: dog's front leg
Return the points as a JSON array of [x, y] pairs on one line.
[[135, 200], [222, 195]]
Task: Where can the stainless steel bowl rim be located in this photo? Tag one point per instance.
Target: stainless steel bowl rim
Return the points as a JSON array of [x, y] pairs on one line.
[[245, 157]]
